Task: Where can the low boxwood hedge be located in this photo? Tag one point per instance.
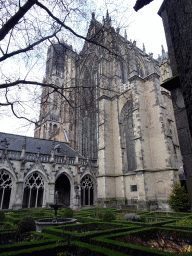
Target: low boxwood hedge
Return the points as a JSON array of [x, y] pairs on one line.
[[70, 232], [38, 250], [52, 249], [170, 214], [95, 250], [159, 222]]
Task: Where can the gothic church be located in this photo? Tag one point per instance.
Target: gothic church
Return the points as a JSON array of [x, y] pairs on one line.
[[108, 128]]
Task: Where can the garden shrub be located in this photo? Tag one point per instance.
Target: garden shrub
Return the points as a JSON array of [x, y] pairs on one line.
[[108, 216], [68, 212], [132, 217], [179, 199], [26, 224], [2, 216]]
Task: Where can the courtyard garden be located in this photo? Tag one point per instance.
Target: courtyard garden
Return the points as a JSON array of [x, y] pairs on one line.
[[98, 231]]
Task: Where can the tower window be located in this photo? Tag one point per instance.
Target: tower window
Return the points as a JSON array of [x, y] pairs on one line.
[[133, 188]]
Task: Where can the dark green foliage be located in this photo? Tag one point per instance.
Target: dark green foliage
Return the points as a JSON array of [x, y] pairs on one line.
[[179, 199], [68, 213], [2, 216], [26, 224], [108, 215]]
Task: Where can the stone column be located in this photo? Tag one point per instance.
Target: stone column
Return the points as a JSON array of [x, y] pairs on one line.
[[19, 195]]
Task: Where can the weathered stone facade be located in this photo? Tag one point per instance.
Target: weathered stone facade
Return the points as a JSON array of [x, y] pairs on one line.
[[117, 113]]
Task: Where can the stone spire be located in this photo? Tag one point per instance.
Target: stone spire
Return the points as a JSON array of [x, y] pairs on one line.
[[5, 144], [159, 58], [93, 16], [38, 151], [125, 35], [23, 149], [52, 152], [163, 53], [107, 20], [107, 15], [144, 51]]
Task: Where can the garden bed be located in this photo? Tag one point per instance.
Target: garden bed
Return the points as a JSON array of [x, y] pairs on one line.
[[181, 224], [148, 241], [33, 239], [160, 241], [12, 237]]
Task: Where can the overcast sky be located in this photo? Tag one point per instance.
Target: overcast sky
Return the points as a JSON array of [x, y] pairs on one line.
[[146, 27]]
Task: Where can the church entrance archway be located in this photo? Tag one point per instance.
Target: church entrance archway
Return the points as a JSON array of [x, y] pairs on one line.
[[5, 189], [87, 195], [63, 186]]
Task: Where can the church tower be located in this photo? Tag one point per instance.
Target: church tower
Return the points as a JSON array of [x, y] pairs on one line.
[[57, 121]]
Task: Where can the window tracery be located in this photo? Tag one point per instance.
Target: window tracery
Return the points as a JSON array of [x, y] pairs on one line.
[[5, 189], [87, 188], [33, 191]]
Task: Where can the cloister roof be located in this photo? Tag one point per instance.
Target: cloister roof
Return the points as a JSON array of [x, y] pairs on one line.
[[15, 143]]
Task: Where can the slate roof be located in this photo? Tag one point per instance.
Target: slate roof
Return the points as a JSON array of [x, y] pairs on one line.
[[140, 3], [16, 142]]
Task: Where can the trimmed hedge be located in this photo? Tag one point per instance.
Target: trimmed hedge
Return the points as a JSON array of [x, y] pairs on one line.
[[170, 214], [160, 222], [36, 251], [70, 232], [96, 250], [87, 219]]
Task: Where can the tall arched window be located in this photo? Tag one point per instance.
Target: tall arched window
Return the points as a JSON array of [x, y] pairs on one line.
[[127, 139], [33, 191], [5, 189], [87, 189], [88, 114]]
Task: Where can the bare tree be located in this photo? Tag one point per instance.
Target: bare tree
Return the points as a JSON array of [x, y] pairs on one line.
[[27, 28]]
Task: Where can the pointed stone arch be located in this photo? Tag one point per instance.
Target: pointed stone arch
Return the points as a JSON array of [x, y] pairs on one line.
[[34, 187], [6, 185], [64, 184], [88, 189]]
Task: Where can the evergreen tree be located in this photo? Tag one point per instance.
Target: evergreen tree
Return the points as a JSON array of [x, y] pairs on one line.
[[179, 199]]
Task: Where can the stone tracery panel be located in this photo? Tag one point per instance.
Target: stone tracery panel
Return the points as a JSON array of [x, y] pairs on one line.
[[87, 190], [33, 191], [5, 189]]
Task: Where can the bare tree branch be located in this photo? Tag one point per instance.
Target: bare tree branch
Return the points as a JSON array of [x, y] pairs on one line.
[[71, 30], [15, 18], [55, 87], [28, 48]]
